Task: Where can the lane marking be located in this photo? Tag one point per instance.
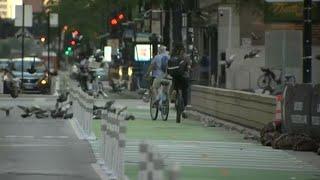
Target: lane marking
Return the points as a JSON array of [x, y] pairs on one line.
[[32, 145], [55, 137], [22, 137]]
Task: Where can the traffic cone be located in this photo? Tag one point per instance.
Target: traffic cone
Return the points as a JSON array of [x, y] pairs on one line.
[[278, 118]]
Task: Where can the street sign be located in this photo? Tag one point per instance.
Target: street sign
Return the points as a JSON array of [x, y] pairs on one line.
[[27, 16], [54, 20], [107, 53]]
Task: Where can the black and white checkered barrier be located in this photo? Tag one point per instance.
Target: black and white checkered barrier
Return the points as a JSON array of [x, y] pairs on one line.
[[151, 165]]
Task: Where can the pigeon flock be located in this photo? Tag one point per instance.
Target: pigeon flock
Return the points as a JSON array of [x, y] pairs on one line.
[[63, 107]]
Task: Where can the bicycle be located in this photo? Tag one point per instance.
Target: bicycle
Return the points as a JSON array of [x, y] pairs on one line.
[[268, 81], [163, 104], [179, 105]]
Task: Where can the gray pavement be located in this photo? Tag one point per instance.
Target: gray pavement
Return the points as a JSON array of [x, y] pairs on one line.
[[42, 149]]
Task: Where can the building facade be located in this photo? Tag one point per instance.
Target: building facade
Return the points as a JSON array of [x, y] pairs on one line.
[[5, 9]]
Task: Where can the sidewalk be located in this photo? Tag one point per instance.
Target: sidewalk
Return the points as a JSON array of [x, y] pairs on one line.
[[208, 153]]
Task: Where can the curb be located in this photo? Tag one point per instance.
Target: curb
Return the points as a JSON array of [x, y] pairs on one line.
[[210, 121]]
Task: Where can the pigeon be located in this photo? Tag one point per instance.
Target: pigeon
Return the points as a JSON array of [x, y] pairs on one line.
[[109, 104], [252, 54], [122, 110], [6, 110], [29, 111], [68, 116], [254, 36], [129, 117], [63, 97]]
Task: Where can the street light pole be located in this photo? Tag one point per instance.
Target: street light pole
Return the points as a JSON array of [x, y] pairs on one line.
[[48, 37], [22, 45], [307, 42]]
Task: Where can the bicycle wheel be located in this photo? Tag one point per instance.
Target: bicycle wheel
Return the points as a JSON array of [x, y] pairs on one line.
[[179, 106], [153, 109], [164, 108], [263, 81]]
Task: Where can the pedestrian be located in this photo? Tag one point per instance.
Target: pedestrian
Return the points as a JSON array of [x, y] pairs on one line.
[[84, 71]]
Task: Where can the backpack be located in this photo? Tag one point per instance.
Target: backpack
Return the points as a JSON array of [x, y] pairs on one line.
[[175, 67]]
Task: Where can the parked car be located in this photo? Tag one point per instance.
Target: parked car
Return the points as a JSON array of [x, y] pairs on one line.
[[35, 75], [4, 63]]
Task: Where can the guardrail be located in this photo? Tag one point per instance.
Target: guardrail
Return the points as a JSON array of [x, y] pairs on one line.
[[243, 108]]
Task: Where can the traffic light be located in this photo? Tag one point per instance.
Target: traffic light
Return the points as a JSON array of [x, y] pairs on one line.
[[113, 22], [68, 51], [73, 42], [121, 16]]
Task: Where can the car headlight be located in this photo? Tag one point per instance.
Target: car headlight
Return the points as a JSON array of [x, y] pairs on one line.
[[43, 82], [6, 78]]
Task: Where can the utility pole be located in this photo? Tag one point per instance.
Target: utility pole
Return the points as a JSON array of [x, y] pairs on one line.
[[307, 42], [48, 37], [22, 44]]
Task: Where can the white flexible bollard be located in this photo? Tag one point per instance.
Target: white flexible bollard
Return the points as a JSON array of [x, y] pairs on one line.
[[114, 145], [110, 145], [158, 164], [90, 111], [143, 151], [150, 165], [86, 115], [122, 145], [103, 129], [107, 145], [174, 172]]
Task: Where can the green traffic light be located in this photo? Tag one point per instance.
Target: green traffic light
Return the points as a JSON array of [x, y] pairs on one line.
[[67, 53], [69, 49]]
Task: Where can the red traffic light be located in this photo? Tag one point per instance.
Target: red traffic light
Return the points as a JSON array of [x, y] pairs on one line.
[[73, 42], [113, 22], [121, 16]]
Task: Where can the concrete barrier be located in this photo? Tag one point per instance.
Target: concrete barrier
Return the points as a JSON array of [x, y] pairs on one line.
[[244, 108]]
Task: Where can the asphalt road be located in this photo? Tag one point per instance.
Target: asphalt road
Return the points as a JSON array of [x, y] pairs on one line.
[[42, 149]]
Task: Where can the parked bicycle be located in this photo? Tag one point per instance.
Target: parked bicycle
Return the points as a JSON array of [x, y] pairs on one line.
[[162, 103], [268, 81]]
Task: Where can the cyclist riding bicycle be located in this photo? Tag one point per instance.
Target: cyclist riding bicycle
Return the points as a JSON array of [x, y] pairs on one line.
[[158, 68], [179, 68]]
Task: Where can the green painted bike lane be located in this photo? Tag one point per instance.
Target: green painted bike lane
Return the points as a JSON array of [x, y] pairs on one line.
[[208, 153]]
